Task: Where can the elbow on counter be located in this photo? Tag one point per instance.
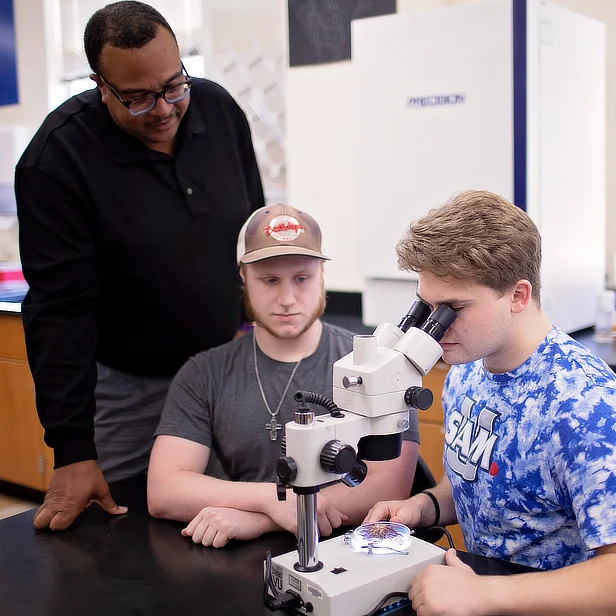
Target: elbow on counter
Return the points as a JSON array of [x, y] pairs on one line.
[[164, 502], [157, 500]]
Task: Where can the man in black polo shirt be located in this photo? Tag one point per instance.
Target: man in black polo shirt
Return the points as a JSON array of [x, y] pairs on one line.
[[130, 198]]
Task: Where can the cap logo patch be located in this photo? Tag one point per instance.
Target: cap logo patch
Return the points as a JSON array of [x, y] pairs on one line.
[[284, 228]]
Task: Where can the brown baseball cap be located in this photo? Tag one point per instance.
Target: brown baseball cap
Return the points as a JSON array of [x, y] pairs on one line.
[[276, 231]]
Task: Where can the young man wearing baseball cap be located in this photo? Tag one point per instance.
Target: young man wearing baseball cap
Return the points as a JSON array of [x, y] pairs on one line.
[[236, 398]]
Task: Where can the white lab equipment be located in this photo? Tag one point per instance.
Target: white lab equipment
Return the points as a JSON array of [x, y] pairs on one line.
[[374, 387]]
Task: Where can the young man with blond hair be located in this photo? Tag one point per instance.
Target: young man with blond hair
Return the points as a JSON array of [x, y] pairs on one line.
[[530, 426], [235, 399]]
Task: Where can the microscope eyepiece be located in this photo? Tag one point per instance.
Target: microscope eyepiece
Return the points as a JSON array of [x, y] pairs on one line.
[[415, 317], [439, 322]]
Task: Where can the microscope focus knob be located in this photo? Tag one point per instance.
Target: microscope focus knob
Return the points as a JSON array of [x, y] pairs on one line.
[[286, 470], [419, 398], [337, 457]]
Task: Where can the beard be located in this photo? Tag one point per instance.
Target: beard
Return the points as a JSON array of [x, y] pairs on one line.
[[316, 314]]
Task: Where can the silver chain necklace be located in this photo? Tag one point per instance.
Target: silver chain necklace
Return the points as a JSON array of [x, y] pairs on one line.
[[273, 426]]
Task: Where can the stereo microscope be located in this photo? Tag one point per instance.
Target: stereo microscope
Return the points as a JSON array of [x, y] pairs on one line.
[[374, 387]]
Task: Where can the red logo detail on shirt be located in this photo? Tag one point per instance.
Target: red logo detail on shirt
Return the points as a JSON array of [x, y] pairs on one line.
[[493, 469]]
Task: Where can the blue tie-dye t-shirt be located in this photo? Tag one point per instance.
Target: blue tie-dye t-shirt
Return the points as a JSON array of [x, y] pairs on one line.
[[531, 455]]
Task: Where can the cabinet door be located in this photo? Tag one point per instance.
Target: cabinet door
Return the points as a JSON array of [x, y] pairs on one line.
[[12, 343], [431, 421], [431, 450], [456, 535], [432, 435], [434, 381], [24, 457], [431, 447]]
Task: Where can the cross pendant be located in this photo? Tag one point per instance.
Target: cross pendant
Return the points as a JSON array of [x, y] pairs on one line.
[[273, 426]]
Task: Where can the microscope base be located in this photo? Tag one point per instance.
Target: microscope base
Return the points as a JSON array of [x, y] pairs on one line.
[[351, 582]]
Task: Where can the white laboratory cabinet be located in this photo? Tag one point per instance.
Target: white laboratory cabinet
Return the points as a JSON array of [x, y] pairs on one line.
[[504, 95]]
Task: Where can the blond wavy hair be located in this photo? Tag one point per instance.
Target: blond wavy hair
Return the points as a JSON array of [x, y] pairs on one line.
[[476, 235]]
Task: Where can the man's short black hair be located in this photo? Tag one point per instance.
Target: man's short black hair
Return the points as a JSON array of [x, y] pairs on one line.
[[127, 24]]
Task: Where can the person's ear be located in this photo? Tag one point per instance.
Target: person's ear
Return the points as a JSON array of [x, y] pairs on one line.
[[99, 84], [242, 276], [521, 296]]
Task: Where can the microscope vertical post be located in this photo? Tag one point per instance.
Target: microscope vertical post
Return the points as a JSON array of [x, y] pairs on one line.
[[307, 521], [307, 533]]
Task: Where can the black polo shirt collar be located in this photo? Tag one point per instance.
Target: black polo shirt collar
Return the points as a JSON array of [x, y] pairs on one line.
[[125, 149]]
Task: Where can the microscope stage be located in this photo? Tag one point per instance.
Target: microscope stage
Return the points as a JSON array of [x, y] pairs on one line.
[[353, 582]]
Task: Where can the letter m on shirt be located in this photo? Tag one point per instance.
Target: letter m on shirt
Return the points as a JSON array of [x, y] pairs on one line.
[[469, 442]]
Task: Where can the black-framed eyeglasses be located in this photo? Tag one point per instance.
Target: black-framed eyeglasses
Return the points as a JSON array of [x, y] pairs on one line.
[[143, 104]]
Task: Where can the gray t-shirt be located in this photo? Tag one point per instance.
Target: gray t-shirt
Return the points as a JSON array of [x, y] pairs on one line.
[[214, 400]]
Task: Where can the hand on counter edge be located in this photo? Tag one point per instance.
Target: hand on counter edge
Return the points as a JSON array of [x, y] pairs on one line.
[[72, 488]]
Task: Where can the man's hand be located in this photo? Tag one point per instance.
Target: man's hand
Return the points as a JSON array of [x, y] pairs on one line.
[[284, 514], [406, 512], [452, 590], [216, 526], [71, 489]]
